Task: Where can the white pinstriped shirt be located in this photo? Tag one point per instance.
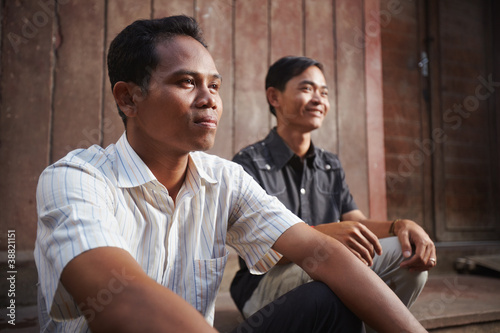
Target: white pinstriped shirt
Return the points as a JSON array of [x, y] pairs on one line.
[[108, 197]]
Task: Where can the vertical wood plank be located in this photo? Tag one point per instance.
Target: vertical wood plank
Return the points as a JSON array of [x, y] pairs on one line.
[[351, 98], [287, 28], [495, 12], [120, 13], [286, 31], [425, 190], [215, 18], [251, 111], [25, 113], [78, 77], [319, 45], [374, 112], [173, 7]]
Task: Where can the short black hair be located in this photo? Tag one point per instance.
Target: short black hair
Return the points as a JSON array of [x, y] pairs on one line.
[[286, 68], [132, 54]]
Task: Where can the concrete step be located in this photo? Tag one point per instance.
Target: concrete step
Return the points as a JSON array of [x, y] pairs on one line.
[[459, 303]]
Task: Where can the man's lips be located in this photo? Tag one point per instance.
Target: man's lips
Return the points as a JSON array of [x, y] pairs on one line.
[[315, 111], [207, 121]]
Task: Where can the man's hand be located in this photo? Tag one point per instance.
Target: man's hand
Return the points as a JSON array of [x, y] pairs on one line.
[[356, 237], [411, 234]]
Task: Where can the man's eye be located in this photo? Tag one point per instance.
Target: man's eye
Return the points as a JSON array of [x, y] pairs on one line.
[[214, 86], [187, 82], [324, 93]]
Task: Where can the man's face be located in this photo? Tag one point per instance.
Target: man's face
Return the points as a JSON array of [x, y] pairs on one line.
[[304, 102], [182, 108]]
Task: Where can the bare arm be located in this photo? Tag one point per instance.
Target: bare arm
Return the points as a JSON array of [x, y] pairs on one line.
[[327, 260], [133, 301]]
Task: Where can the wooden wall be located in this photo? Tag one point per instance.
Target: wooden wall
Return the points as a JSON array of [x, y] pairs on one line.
[[56, 97]]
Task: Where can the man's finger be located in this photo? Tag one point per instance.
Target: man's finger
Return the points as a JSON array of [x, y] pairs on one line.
[[363, 250], [405, 243], [372, 239]]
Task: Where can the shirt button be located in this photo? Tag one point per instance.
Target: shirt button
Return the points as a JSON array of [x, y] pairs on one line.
[[328, 167], [268, 167], [302, 191]]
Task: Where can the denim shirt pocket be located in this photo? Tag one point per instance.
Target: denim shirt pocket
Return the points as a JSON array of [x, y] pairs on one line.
[[271, 180], [327, 179]]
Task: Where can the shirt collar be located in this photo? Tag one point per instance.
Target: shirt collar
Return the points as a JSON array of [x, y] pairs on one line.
[[195, 167], [132, 171], [280, 151]]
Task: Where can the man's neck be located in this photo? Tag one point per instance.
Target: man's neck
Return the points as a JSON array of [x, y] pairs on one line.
[[169, 168], [298, 142]]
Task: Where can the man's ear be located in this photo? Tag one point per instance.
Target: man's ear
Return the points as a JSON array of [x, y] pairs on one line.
[[127, 95], [273, 96]]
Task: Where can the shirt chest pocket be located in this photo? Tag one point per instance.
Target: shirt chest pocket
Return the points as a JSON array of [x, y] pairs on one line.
[[272, 181], [207, 277], [328, 180]]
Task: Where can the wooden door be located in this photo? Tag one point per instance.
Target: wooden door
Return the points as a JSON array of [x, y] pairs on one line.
[[464, 89], [441, 93]]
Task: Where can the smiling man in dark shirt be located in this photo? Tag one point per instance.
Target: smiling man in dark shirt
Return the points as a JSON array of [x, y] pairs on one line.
[[311, 183]]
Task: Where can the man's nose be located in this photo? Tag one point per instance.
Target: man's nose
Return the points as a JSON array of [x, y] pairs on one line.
[[206, 98]]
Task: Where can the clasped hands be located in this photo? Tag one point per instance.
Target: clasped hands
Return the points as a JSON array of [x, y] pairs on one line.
[[416, 245]]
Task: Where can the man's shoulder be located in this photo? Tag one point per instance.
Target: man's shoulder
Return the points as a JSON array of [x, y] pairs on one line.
[[258, 151], [90, 159], [327, 158]]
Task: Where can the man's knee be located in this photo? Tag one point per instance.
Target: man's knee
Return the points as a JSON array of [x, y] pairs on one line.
[[323, 304], [319, 296], [418, 279]]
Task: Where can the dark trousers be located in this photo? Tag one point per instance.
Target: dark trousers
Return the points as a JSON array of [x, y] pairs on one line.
[[309, 308]]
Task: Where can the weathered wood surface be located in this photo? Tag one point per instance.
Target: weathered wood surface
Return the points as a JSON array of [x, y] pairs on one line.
[[56, 94]]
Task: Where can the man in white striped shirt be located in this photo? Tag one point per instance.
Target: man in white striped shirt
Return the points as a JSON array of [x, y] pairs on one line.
[[132, 238]]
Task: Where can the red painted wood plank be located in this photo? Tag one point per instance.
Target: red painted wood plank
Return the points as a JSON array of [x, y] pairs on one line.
[[173, 7], [79, 77], [286, 28], [251, 111], [120, 14], [25, 114], [320, 45], [374, 112], [216, 17], [352, 98]]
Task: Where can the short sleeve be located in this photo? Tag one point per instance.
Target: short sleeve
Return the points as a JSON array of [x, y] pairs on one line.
[[75, 214], [258, 221]]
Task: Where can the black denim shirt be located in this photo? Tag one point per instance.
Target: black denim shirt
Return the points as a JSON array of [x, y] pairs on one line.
[[314, 189]]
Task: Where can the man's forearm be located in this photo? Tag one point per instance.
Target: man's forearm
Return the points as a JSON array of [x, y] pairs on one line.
[[327, 260], [148, 308], [138, 304], [380, 228]]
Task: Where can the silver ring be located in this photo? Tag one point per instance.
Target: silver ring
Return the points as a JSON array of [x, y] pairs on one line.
[[433, 260]]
